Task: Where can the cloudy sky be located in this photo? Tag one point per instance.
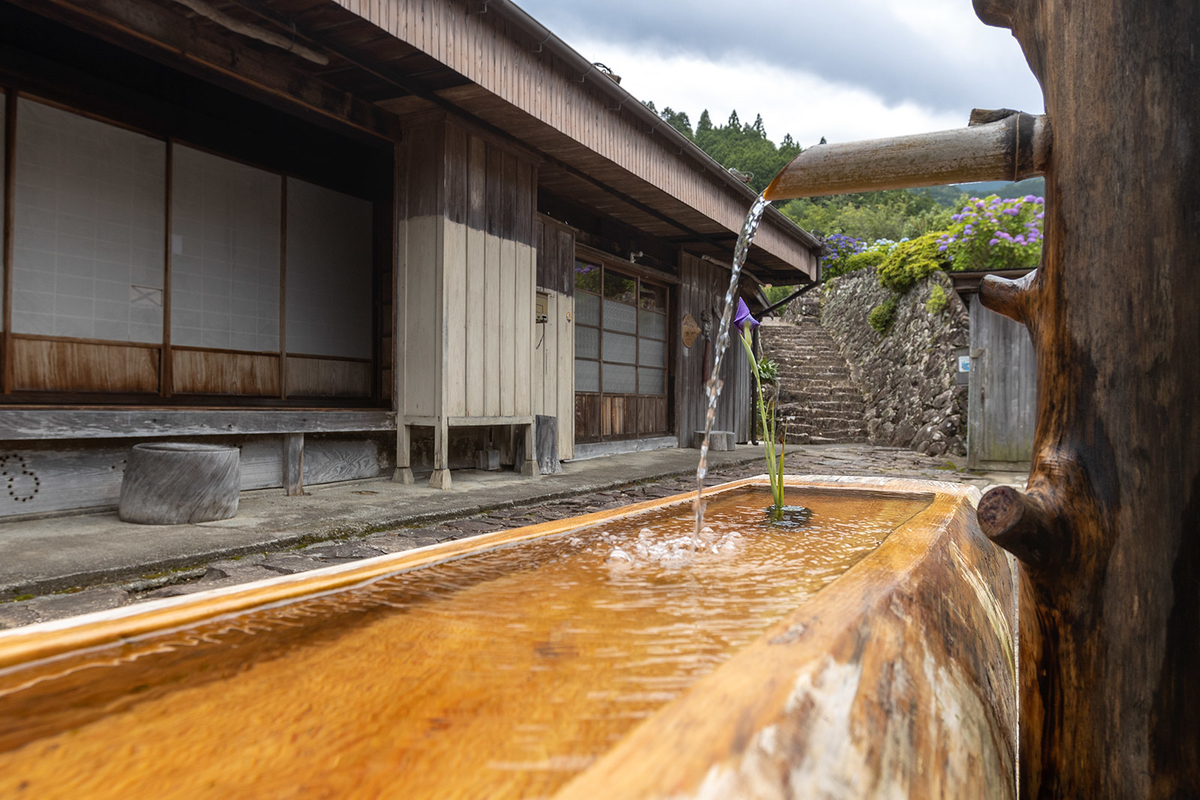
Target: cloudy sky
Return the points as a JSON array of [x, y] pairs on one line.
[[842, 69]]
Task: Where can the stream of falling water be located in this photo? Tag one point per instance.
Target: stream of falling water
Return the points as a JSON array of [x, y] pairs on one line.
[[713, 389]]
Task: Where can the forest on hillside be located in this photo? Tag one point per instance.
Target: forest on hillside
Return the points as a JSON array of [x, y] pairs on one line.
[[890, 215]]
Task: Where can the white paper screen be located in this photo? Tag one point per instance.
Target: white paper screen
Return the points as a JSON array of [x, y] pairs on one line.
[[90, 213], [225, 237], [328, 272]]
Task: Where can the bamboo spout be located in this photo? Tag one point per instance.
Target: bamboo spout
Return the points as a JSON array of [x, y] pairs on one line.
[[1014, 148]]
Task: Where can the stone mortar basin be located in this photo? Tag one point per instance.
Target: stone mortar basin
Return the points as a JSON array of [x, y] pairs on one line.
[[897, 679]]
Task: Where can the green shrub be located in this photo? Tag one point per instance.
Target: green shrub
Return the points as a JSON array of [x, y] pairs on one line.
[[864, 260], [883, 315], [937, 301], [909, 262]]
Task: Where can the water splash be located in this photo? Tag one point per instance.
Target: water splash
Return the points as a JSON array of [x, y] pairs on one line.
[[713, 389]]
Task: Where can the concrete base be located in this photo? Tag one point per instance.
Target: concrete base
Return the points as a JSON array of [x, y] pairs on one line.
[[530, 469], [584, 451], [717, 440], [440, 479], [488, 460], [403, 475]]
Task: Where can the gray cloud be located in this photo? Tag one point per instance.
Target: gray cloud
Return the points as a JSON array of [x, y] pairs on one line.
[[840, 40]]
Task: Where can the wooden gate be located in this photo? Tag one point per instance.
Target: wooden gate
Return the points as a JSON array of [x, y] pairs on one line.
[[1002, 395]]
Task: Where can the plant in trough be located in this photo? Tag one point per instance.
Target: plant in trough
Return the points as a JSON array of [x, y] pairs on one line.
[[766, 409]]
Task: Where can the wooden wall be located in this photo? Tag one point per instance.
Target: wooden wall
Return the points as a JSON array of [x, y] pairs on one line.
[[556, 256], [512, 67], [469, 257], [37, 478], [1002, 393], [554, 369], [701, 291], [554, 341]]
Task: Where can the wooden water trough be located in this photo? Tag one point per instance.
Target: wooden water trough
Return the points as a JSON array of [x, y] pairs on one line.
[[897, 679]]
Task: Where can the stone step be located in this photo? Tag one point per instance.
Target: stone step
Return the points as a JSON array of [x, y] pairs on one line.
[[818, 399]]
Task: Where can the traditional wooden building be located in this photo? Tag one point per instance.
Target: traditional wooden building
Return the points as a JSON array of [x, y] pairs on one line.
[[353, 237]]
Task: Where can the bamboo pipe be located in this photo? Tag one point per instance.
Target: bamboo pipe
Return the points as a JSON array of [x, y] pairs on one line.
[[998, 145]]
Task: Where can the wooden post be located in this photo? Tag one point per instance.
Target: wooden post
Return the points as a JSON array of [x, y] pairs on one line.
[[293, 464], [529, 467], [1108, 533], [403, 473], [440, 479]]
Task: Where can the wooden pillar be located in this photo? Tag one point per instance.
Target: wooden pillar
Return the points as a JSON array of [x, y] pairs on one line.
[[529, 467], [293, 464], [1108, 532], [440, 479], [403, 473]]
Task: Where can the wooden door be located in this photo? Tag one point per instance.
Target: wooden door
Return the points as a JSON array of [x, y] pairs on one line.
[[1002, 393]]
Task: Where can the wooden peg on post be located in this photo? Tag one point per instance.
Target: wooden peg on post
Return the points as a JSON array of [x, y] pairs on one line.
[[1020, 523], [1008, 297]]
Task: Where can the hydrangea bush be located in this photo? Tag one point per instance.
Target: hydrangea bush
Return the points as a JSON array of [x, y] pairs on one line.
[[839, 248], [993, 234]]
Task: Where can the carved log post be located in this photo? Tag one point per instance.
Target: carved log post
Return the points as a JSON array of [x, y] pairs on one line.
[[1108, 534]]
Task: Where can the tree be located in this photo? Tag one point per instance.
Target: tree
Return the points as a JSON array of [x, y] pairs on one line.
[[758, 126], [1108, 532], [678, 120]]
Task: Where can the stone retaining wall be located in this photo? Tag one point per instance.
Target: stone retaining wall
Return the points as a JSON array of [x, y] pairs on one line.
[[909, 374]]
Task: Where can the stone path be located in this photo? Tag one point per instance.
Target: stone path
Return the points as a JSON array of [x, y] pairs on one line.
[[824, 460]]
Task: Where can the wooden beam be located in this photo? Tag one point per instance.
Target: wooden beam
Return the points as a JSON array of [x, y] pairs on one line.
[[10, 164], [52, 423], [175, 40]]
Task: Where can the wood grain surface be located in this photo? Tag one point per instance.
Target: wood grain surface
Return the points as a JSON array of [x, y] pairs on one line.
[[1109, 531]]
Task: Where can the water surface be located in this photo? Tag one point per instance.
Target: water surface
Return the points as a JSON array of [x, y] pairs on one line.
[[498, 675]]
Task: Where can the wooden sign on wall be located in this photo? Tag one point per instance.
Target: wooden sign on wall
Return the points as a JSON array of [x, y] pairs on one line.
[[690, 330]]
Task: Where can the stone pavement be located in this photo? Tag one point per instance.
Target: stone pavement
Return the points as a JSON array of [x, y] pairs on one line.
[[64, 566]]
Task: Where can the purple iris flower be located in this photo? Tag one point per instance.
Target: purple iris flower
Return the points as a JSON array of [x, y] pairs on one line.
[[742, 317]]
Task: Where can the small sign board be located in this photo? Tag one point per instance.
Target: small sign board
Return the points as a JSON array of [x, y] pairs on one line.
[[962, 375]]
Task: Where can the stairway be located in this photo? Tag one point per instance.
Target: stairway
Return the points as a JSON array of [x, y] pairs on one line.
[[818, 402]]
